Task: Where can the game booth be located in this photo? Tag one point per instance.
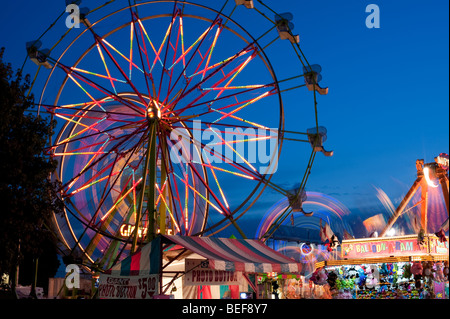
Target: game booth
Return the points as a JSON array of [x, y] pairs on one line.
[[400, 267], [180, 267]]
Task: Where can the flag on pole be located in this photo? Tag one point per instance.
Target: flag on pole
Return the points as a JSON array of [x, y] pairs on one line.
[[327, 236], [347, 235]]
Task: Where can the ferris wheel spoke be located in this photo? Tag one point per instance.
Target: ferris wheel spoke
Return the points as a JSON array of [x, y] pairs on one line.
[[194, 47], [222, 194], [172, 183], [258, 98], [78, 137], [124, 193], [221, 158], [233, 95], [107, 190], [218, 67], [162, 197], [130, 61], [198, 43], [87, 164], [74, 74], [141, 49], [235, 73], [225, 211], [198, 193], [98, 40], [232, 74], [95, 178], [144, 31], [113, 150], [106, 67], [101, 76], [53, 109]]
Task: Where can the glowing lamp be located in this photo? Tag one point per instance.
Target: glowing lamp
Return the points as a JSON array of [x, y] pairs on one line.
[[153, 112], [430, 175], [391, 232]]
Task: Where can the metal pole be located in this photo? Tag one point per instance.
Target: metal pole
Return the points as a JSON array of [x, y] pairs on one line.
[[402, 206], [443, 180], [424, 206], [151, 232], [151, 144]]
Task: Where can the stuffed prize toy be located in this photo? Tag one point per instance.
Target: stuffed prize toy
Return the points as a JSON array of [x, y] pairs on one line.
[[439, 272], [446, 273], [322, 277], [332, 277], [371, 280], [384, 269], [407, 271], [417, 271], [390, 268], [428, 270], [352, 272], [314, 276], [362, 277]]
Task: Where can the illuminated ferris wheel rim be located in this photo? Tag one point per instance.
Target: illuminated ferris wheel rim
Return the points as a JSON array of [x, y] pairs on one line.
[[92, 105]]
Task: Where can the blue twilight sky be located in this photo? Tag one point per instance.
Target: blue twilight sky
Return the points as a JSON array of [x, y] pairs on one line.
[[388, 103]]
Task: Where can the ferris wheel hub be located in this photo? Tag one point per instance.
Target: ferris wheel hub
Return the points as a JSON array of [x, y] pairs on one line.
[[153, 112]]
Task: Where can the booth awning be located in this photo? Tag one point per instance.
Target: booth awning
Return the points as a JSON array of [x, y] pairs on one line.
[[228, 254], [245, 255]]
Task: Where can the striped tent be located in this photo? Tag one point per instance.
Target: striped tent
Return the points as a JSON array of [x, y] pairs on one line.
[[144, 262], [243, 255]]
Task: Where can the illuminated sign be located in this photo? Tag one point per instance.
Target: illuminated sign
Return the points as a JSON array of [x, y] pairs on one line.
[[198, 273], [133, 287], [392, 246], [127, 230], [436, 247]]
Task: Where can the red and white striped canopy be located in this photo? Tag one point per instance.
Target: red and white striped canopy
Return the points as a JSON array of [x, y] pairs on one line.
[[245, 255]]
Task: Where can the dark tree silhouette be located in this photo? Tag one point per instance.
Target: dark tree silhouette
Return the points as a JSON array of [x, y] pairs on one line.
[[28, 197]]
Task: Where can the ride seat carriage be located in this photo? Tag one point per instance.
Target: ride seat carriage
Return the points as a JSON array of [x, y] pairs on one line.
[[317, 136], [285, 27], [313, 77], [247, 3], [39, 57]]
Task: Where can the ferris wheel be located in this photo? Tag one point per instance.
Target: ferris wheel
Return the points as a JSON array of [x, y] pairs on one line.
[[170, 119]]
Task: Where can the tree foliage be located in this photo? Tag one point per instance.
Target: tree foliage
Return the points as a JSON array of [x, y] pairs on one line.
[[28, 197]]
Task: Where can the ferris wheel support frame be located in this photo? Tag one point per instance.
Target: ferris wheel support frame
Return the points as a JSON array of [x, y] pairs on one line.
[[421, 182]]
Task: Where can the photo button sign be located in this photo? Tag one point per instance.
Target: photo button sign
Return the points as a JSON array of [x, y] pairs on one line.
[[199, 273]]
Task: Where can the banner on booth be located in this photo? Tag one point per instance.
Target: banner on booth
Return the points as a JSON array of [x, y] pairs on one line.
[[373, 248], [132, 287], [199, 273]]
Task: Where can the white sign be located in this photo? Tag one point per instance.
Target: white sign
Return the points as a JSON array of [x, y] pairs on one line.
[[198, 273], [133, 287]]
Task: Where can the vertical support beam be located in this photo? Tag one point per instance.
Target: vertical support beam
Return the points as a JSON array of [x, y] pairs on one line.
[[162, 207], [443, 180], [148, 161], [402, 205], [424, 206], [151, 233]]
